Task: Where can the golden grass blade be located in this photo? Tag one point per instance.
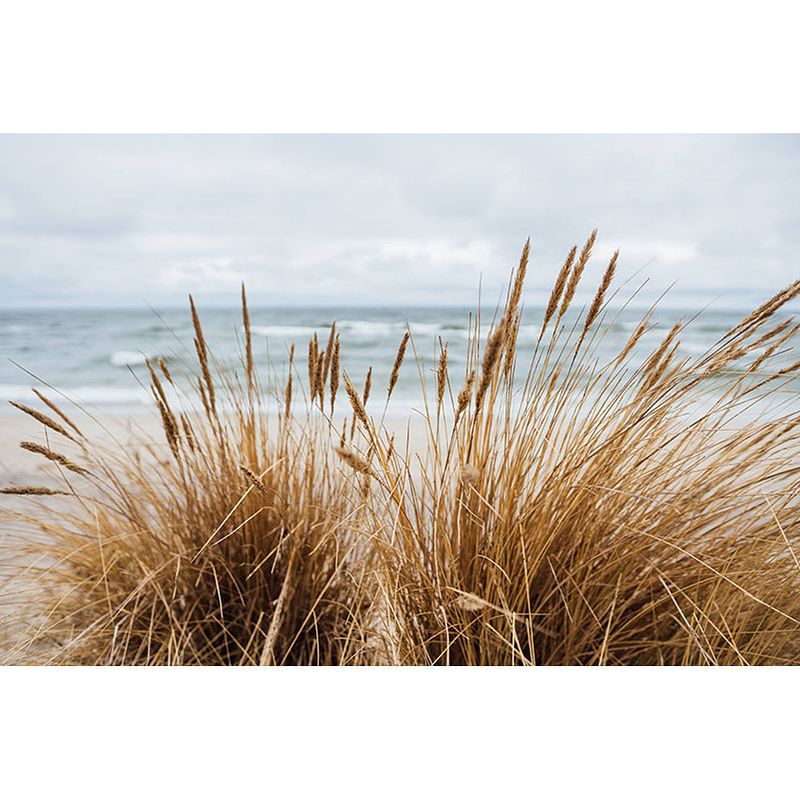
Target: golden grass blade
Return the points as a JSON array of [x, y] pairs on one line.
[[54, 408], [48, 422], [398, 362]]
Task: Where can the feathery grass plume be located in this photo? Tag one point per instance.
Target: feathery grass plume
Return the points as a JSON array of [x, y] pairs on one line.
[[511, 345], [248, 340], [773, 332], [355, 401], [491, 356], [158, 389], [471, 602], [170, 425], [38, 491], [777, 343], [319, 382], [633, 339], [469, 474], [171, 430], [766, 310], [763, 358], [353, 460], [441, 375], [313, 352], [253, 479], [334, 368], [210, 392], [202, 357], [511, 316], [519, 279], [201, 391], [328, 356], [287, 392], [577, 272], [727, 357], [661, 369], [558, 290], [464, 396], [51, 455], [56, 410], [597, 303], [398, 362], [48, 422], [162, 365], [364, 399], [188, 433], [652, 363], [367, 387], [788, 370]]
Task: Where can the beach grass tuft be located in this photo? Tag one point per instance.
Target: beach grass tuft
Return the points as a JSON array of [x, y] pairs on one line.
[[561, 508]]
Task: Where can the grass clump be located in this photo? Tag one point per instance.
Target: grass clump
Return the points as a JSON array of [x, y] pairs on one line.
[[232, 545], [597, 512], [562, 508]]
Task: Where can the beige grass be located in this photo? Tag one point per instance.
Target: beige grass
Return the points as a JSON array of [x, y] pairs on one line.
[[233, 546], [565, 510], [602, 514]]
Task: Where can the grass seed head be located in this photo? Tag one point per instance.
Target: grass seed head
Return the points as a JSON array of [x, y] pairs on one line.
[[398, 362]]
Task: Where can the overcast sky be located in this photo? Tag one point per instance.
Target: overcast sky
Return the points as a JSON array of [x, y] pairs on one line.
[[385, 219]]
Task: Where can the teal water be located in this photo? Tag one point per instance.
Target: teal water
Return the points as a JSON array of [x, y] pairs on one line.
[[96, 356]]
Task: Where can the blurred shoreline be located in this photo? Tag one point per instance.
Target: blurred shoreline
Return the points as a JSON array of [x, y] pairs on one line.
[[97, 357]]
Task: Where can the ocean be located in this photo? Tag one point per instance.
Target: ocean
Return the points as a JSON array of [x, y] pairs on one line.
[[96, 356]]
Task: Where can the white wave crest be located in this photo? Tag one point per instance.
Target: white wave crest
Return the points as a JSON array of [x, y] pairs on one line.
[[370, 329], [128, 358], [284, 331], [100, 395]]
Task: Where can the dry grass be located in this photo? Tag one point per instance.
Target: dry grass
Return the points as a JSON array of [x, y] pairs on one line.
[[602, 513], [566, 510], [234, 546]]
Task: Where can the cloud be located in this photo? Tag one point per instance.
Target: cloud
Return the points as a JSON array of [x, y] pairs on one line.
[[212, 274], [663, 252], [370, 219]]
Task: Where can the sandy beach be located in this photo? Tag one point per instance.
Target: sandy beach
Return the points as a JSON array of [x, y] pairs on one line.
[[19, 467]]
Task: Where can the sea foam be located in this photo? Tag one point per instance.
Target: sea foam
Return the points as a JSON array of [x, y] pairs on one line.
[[128, 358]]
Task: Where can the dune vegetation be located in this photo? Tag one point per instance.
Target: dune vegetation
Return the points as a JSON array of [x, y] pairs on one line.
[[561, 509]]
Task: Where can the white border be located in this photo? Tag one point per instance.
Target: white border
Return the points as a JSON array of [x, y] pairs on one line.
[[413, 732], [416, 66], [390, 67]]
